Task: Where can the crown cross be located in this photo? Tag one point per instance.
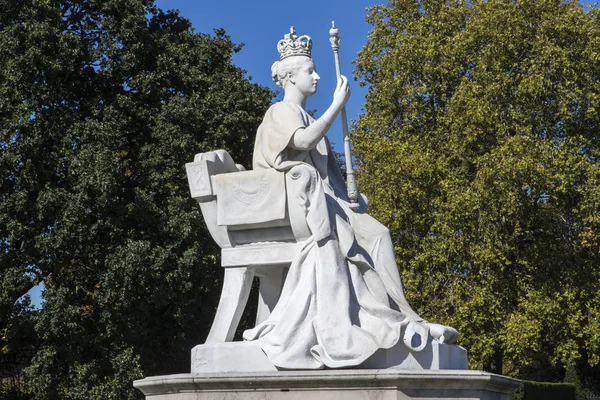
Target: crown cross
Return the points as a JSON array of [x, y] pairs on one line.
[[292, 45]]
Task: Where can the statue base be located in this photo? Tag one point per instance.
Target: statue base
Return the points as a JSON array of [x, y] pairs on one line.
[[248, 357], [345, 384]]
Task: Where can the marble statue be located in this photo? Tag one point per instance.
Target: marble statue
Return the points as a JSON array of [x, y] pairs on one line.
[[342, 299], [332, 320]]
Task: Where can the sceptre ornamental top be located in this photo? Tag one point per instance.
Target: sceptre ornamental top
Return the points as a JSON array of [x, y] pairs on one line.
[[292, 45]]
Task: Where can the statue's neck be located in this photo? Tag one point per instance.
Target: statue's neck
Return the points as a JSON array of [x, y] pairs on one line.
[[294, 96]]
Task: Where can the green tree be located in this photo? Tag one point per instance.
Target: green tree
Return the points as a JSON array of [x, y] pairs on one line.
[[102, 102], [479, 149]]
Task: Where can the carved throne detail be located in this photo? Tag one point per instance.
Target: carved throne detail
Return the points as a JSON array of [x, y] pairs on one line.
[[257, 220]]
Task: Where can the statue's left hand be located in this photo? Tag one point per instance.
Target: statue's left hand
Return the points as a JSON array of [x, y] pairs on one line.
[[341, 94]]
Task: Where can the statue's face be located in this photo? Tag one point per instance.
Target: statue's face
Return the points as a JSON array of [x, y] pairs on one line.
[[306, 77]]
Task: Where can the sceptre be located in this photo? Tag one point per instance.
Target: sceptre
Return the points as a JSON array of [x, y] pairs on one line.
[[350, 180]]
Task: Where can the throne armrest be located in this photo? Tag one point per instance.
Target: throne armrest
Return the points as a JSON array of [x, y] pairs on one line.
[[242, 207], [204, 167], [200, 173]]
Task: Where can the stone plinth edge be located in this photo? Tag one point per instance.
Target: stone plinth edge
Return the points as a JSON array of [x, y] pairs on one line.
[[406, 384]]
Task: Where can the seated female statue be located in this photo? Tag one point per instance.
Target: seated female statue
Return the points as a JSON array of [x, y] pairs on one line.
[[342, 299]]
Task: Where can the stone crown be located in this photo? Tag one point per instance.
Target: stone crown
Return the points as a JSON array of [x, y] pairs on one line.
[[292, 45]]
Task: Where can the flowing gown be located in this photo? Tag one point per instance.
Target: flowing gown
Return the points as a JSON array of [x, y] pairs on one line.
[[342, 299]]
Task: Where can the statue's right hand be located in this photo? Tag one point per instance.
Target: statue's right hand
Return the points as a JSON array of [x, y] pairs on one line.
[[342, 93]]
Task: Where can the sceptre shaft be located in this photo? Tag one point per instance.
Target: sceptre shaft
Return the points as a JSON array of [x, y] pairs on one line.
[[350, 179]]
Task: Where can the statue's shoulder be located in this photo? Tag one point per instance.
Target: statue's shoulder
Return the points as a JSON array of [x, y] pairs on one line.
[[285, 106], [284, 112], [278, 108]]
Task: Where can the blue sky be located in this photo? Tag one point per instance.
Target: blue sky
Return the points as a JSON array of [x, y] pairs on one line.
[[260, 25]]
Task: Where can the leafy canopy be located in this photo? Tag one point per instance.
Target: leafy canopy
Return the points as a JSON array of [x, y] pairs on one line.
[[102, 102], [479, 149]]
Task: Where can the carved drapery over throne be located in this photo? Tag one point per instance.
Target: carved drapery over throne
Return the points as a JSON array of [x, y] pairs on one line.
[[256, 219]]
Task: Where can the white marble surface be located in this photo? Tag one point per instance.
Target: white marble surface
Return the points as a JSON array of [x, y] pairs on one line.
[[230, 357]]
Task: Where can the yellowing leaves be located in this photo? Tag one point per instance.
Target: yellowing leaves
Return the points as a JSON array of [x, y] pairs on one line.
[[479, 149]]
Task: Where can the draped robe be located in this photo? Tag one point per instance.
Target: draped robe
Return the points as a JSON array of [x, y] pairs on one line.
[[342, 299]]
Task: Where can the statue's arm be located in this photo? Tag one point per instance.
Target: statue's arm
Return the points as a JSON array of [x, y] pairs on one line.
[[307, 138]]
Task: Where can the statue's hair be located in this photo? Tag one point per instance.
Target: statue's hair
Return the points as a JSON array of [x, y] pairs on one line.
[[281, 70]]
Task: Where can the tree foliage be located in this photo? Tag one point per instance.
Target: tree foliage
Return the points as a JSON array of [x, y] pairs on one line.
[[102, 102], [479, 149]]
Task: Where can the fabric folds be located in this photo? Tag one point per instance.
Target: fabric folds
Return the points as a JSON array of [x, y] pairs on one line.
[[342, 299]]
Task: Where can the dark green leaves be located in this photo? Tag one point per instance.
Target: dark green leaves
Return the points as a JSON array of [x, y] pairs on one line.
[[102, 102]]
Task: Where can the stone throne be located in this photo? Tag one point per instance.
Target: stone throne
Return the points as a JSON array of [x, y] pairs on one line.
[[256, 219]]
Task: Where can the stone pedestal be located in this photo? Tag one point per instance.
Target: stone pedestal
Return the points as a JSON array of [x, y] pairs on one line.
[[248, 357], [349, 384]]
